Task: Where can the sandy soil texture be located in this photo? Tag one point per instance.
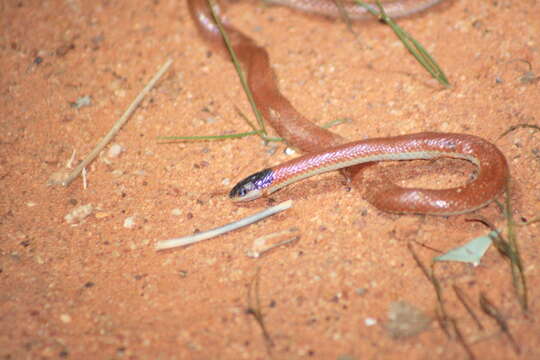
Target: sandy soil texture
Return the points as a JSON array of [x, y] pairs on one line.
[[348, 288]]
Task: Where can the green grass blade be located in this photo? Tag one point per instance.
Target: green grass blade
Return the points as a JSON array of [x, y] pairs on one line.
[[412, 45], [208, 137], [238, 68]]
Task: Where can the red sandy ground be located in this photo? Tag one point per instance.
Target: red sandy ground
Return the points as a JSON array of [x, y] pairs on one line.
[[99, 290]]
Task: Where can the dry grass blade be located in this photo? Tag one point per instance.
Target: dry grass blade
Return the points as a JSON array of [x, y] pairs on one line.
[[238, 67], [466, 304], [509, 249], [114, 130], [255, 309], [518, 277], [461, 340], [448, 323], [442, 315], [490, 309], [519, 126], [411, 44]]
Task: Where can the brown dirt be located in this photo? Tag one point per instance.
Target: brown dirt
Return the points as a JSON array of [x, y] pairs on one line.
[[98, 289]]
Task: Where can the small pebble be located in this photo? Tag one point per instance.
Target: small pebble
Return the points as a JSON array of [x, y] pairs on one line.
[[176, 212], [370, 321], [81, 102], [289, 151], [129, 223], [360, 291], [115, 150], [65, 318], [79, 214], [58, 178], [102, 215]]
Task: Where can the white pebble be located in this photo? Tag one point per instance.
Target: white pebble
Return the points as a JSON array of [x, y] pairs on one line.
[[289, 151], [129, 223], [176, 212], [115, 150], [370, 321], [65, 318]]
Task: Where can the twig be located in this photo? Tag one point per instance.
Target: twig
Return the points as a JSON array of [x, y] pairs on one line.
[[344, 15], [116, 127], [465, 302], [260, 246], [490, 309], [254, 308], [509, 249], [518, 277], [84, 180], [191, 239], [69, 163], [461, 340], [429, 274], [518, 126]]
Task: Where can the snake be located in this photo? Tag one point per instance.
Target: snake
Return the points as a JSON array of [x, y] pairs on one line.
[[326, 151]]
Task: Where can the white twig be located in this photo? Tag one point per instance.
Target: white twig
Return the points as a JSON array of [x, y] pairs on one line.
[[116, 127], [191, 239], [69, 164], [85, 184], [261, 246]]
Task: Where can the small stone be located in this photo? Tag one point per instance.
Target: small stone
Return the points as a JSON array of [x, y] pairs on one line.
[[102, 215], [370, 321], [79, 214], [289, 151], [176, 212], [145, 242], [360, 291], [115, 150], [59, 178], [129, 223], [81, 101], [65, 318]]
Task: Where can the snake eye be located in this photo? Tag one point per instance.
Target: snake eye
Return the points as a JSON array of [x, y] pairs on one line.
[[242, 191]]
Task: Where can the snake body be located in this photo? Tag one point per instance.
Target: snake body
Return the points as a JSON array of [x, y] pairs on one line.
[[327, 151]]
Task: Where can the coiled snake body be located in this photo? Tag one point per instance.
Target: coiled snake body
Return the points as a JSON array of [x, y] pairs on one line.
[[327, 151]]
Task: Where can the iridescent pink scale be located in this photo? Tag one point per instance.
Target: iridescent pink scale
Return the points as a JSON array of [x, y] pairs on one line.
[[492, 174]]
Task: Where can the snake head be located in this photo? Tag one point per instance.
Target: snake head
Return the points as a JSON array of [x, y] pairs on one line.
[[252, 187]]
